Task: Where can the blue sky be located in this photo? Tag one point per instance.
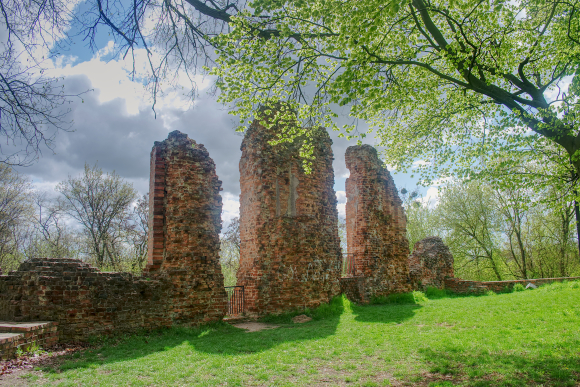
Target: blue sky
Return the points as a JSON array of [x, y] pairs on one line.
[[114, 126]]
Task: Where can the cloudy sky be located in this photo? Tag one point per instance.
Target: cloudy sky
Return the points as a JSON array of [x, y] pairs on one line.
[[114, 126]]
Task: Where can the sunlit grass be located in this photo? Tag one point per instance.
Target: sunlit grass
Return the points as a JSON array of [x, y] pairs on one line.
[[523, 338]]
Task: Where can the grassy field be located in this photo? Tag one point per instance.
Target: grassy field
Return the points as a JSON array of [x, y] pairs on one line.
[[523, 338]]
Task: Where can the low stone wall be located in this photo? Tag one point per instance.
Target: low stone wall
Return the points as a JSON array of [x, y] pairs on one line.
[[24, 336], [83, 300], [460, 286]]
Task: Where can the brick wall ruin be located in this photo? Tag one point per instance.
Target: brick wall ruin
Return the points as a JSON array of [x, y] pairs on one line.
[[375, 225], [460, 286], [182, 283], [184, 225], [290, 250], [430, 263], [83, 300]]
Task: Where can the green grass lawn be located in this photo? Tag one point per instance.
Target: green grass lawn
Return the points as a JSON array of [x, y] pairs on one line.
[[522, 338]]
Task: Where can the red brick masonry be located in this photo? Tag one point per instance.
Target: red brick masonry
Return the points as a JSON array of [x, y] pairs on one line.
[[290, 249], [185, 222], [460, 286], [25, 335], [182, 284], [430, 263], [375, 227], [81, 299]]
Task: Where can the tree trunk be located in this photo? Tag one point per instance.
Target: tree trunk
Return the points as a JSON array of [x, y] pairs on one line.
[[577, 213]]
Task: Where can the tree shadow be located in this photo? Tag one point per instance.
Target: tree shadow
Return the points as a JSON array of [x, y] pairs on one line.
[[504, 368], [220, 338], [385, 313]]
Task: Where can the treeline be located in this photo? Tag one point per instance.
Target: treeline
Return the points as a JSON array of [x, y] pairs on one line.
[[497, 234], [97, 217]]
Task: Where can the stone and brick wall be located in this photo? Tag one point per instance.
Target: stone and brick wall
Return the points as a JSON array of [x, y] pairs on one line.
[[430, 263], [81, 299], [290, 249], [460, 286], [14, 336], [182, 283], [184, 226], [375, 225]]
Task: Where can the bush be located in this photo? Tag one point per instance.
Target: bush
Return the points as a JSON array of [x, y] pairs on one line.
[[419, 297], [518, 288], [434, 293], [400, 298], [334, 308]]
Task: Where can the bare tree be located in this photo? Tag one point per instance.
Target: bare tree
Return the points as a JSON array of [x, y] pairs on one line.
[[32, 105], [52, 237], [136, 230], [15, 206], [100, 203], [230, 252]]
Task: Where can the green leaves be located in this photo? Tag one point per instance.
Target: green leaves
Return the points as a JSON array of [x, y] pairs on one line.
[[494, 92]]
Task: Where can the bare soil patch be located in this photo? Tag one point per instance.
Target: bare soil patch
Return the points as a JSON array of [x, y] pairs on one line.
[[254, 326]]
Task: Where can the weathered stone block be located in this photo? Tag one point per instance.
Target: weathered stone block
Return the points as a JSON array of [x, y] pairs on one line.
[[430, 263]]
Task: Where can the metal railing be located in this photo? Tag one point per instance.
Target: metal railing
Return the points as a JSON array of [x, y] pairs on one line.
[[347, 265], [235, 300]]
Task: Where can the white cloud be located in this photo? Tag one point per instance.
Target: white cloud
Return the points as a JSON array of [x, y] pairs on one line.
[[431, 197], [418, 163], [341, 197]]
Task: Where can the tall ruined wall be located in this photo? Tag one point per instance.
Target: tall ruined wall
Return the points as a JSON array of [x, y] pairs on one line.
[[375, 225], [185, 222], [182, 283], [290, 250], [83, 300], [430, 263]]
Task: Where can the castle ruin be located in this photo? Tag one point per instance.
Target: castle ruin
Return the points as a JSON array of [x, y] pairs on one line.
[[290, 254], [376, 228]]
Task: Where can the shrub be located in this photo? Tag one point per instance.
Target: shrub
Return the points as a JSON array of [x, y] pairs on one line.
[[334, 308], [395, 298], [518, 288], [434, 293], [419, 297]]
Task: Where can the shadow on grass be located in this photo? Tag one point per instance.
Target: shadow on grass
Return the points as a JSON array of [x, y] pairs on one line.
[[220, 338], [481, 368], [387, 313]]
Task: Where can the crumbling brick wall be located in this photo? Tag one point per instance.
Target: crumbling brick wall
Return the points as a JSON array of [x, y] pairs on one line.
[[290, 250], [430, 263], [375, 225], [182, 283], [184, 226], [83, 300], [460, 286]]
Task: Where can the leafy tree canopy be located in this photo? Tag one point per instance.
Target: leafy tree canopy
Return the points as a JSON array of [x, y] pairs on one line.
[[467, 86]]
